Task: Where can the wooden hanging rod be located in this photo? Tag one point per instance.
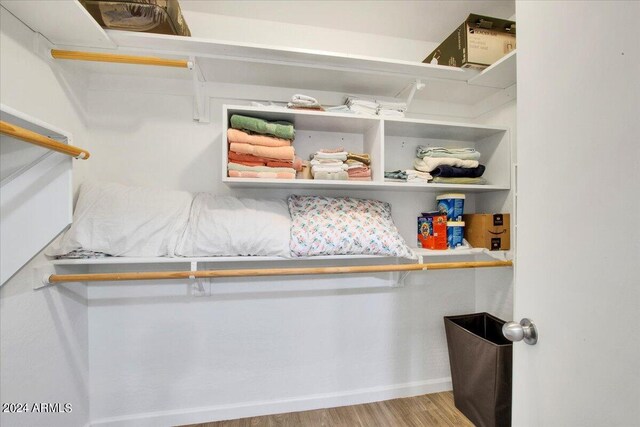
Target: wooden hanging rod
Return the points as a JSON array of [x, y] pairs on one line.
[[41, 140], [121, 59], [165, 275]]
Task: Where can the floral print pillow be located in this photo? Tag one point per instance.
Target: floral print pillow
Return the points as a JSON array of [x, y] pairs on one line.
[[344, 226]]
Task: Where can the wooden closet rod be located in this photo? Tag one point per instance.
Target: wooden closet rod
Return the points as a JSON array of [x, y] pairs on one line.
[[41, 140], [162, 275], [122, 59]]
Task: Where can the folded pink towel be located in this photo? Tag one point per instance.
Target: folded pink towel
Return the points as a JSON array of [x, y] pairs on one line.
[[235, 135], [296, 164], [277, 153], [359, 178], [359, 172], [263, 175]]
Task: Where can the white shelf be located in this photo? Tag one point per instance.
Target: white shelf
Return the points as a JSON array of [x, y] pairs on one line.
[[219, 259], [391, 143], [500, 75], [69, 25], [357, 185], [459, 252], [425, 253]]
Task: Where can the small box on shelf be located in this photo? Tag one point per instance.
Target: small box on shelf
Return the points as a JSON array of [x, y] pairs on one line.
[[477, 43], [491, 231]]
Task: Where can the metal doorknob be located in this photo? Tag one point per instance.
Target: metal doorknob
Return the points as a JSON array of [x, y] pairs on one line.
[[525, 330]]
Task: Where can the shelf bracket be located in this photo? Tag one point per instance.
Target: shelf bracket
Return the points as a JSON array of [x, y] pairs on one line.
[[416, 86], [41, 275], [200, 99], [198, 288], [401, 278]]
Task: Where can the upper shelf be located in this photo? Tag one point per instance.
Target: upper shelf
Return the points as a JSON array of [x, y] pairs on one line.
[[267, 65]]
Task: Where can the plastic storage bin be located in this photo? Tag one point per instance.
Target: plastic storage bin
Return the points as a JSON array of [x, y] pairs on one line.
[[481, 361], [451, 204]]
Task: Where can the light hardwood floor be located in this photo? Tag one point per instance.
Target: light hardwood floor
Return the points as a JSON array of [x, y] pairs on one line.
[[428, 410]]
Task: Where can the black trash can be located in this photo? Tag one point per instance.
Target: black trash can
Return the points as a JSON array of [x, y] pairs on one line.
[[481, 361]]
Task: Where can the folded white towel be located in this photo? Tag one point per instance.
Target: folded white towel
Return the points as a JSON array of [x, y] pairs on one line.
[[304, 100], [342, 155], [326, 162], [390, 113], [351, 101], [361, 109], [397, 106], [428, 164], [328, 169], [414, 175]]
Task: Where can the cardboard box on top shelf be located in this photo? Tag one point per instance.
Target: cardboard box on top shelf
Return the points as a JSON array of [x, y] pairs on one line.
[[477, 43], [491, 231]]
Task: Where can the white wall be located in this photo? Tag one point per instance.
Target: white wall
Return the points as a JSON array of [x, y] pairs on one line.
[[251, 30], [43, 334], [254, 346]]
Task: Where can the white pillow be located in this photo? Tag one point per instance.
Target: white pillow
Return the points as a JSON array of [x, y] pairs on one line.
[[126, 221], [228, 226]]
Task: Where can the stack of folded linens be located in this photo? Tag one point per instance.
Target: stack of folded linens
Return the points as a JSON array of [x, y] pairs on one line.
[[450, 165], [261, 149]]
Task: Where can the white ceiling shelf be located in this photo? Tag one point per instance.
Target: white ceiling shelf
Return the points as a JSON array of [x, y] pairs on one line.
[[500, 75], [265, 65]]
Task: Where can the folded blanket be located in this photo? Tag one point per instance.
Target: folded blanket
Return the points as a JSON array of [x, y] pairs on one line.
[[278, 153], [430, 163], [454, 172], [441, 180], [360, 157], [334, 176], [280, 129], [235, 135], [263, 175], [342, 155], [458, 153], [238, 167]]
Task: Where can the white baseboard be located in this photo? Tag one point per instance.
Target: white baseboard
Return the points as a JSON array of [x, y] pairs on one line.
[[252, 409]]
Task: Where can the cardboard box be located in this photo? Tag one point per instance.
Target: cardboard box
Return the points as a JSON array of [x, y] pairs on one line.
[[476, 43], [491, 231]]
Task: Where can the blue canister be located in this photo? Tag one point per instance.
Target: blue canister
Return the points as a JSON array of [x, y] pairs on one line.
[[451, 204], [455, 231]]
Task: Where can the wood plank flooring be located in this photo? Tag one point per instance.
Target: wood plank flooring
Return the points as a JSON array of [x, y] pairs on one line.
[[428, 410]]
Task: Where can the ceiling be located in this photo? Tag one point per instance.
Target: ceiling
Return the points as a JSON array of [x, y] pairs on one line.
[[427, 20]]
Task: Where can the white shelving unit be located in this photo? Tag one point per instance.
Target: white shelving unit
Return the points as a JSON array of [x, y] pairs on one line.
[[391, 142]]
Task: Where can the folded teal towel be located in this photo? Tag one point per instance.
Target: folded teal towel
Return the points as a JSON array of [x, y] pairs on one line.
[[458, 153], [283, 130]]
